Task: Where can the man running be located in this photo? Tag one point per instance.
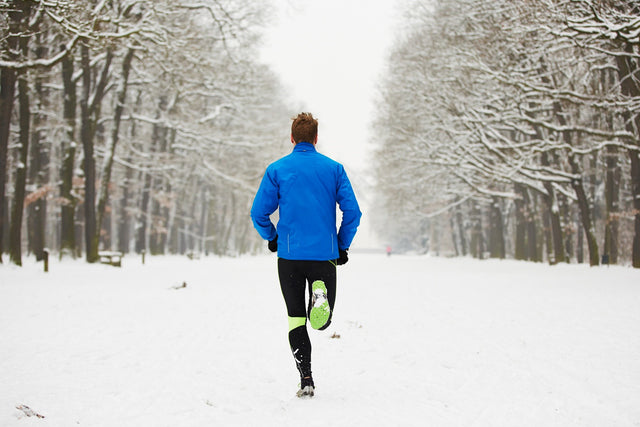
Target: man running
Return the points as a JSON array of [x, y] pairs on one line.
[[306, 186]]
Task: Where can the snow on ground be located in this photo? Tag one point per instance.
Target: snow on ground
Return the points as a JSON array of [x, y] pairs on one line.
[[423, 341]]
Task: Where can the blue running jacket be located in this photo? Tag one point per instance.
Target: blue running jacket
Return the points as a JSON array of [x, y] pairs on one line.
[[306, 186]]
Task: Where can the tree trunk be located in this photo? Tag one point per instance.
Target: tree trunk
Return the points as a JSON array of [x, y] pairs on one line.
[[579, 242], [124, 225], [89, 168], [159, 141], [158, 226], [7, 96], [17, 41], [547, 235], [90, 113], [454, 238], [566, 221], [520, 252], [170, 206], [587, 223], [554, 218], [477, 244], [556, 227], [15, 238], [496, 233], [142, 221], [612, 204], [108, 160], [230, 226], [578, 188], [635, 184], [461, 230], [551, 218], [629, 75], [68, 207], [534, 244], [38, 175], [171, 243]]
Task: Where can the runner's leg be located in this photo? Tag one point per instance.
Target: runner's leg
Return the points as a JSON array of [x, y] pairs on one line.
[[292, 284], [326, 272]]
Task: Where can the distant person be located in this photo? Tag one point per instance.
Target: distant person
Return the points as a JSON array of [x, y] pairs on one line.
[[306, 186], [388, 250]]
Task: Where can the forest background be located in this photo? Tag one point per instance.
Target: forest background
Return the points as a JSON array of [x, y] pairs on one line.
[[501, 129]]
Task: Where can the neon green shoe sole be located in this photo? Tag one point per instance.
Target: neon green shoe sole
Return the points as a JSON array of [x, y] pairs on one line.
[[320, 311]]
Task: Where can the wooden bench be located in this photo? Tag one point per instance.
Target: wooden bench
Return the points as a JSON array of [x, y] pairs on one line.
[[111, 258]]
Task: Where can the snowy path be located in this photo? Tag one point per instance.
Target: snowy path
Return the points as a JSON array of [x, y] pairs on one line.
[[423, 341]]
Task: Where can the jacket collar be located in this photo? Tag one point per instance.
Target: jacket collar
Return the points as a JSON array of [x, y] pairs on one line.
[[304, 146]]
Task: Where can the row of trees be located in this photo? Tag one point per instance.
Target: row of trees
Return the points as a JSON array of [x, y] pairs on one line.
[[132, 125], [517, 130]]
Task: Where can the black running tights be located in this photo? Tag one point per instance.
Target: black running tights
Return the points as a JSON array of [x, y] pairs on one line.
[[296, 277]]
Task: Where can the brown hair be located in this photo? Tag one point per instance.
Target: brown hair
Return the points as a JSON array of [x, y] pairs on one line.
[[304, 128]]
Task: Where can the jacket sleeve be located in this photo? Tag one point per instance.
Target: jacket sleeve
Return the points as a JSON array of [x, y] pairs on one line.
[[350, 211], [264, 204]]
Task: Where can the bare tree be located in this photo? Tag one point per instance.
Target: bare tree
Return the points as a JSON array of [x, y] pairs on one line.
[[501, 104], [183, 149]]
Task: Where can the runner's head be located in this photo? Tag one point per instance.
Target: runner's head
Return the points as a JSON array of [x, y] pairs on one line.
[[304, 129]]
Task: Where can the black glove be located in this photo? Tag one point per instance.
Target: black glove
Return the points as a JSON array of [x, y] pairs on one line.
[[344, 257], [273, 244]]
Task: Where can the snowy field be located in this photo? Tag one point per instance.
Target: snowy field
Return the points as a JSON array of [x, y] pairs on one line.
[[422, 342]]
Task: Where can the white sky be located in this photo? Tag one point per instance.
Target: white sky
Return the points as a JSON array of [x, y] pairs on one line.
[[330, 55]]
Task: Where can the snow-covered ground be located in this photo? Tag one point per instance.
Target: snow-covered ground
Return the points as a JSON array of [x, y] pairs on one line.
[[422, 342]]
